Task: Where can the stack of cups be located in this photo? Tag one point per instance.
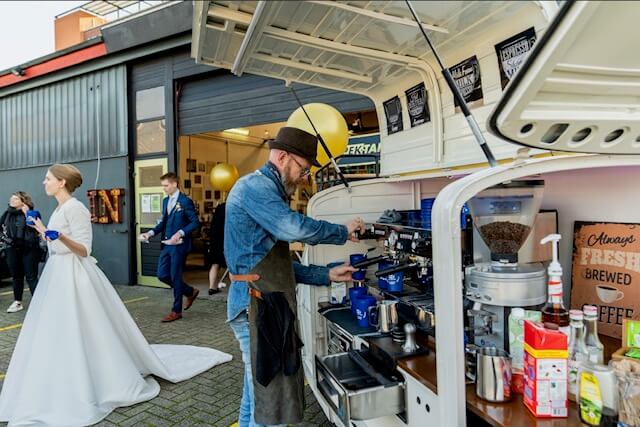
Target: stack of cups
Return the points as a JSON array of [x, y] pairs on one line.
[[354, 293], [425, 211]]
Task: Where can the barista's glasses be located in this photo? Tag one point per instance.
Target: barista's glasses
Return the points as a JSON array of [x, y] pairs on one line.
[[303, 171]]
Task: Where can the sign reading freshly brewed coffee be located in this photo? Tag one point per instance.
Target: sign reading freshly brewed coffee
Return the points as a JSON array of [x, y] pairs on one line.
[[606, 272], [393, 113], [466, 75], [417, 105], [512, 52]]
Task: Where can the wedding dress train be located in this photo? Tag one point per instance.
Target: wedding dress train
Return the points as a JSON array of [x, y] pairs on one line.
[[80, 354]]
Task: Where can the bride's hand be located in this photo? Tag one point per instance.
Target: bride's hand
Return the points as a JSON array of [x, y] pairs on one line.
[[39, 226]]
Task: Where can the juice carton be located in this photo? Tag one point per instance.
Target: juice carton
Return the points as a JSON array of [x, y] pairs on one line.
[[545, 368]]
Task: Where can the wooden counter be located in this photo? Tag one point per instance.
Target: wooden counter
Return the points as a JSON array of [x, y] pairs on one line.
[[423, 369], [513, 413]]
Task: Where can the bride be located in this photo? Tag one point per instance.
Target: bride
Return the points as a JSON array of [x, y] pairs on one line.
[[80, 354]]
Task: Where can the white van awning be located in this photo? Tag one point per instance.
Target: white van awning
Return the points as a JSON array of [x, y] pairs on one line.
[[579, 89], [354, 46]]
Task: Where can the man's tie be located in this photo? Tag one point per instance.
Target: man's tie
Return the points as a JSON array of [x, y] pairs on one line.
[[171, 205]]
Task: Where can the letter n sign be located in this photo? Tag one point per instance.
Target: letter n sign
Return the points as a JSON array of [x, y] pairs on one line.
[[106, 205]]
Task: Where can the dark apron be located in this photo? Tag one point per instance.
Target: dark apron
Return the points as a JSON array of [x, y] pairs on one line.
[[282, 401]]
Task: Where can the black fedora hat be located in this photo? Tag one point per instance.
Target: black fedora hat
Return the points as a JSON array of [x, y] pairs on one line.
[[297, 141]]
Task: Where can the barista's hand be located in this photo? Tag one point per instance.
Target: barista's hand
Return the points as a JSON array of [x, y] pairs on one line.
[[341, 273], [353, 226]]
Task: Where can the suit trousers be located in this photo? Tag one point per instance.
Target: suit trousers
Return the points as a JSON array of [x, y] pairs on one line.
[[170, 267]]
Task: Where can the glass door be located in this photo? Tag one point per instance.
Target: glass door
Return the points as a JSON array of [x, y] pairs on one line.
[[149, 197]]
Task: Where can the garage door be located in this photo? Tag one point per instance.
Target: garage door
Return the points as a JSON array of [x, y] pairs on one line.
[[223, 101]]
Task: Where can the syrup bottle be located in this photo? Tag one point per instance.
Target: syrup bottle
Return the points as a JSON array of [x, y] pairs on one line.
[[594, 346], [554, 310]]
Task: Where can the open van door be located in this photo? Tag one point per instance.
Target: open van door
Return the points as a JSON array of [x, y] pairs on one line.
[[579, 89]]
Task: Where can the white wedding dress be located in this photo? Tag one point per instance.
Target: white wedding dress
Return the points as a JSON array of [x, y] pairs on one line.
[[80, 354]]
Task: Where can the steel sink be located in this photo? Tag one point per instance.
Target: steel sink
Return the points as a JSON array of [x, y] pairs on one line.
[[355, 390]]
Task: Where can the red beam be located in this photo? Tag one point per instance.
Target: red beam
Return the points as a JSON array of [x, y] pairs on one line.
[[55, 64]]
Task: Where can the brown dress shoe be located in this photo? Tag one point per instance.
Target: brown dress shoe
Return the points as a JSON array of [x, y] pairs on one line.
[[191, 299], [171, 317]]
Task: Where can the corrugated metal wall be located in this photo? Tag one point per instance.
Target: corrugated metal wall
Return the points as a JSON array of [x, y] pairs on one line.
[[155, 71], [63, 122], [110, 241], [226, 101]]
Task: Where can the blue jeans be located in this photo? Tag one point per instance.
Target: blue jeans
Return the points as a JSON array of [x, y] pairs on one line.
[[240, 327]]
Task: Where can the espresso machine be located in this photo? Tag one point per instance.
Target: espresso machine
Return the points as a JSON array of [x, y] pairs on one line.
[[407, 249], [504, 216]]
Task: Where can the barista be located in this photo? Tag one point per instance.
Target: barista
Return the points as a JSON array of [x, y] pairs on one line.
[[258, 228]]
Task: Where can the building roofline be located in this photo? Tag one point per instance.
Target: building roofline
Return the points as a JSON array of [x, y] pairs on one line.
[[97, 63], [54, 55], [94, 48], [76, 9], [151, 9]]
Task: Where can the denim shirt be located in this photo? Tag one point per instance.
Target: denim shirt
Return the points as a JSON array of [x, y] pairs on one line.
[[257, 216]]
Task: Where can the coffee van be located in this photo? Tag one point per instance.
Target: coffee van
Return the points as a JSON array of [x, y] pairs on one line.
[[553, 88]]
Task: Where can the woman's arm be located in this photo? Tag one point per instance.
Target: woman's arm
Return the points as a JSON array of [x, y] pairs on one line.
[[75, 247], [80, 223]]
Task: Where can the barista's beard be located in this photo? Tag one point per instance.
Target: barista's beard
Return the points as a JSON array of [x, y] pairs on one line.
[[290, 184]]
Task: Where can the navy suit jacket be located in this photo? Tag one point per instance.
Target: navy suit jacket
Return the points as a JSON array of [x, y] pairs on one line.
[[182, 217]]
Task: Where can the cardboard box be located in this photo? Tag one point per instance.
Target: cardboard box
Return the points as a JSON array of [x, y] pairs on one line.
[[626, 343], [546, 371]]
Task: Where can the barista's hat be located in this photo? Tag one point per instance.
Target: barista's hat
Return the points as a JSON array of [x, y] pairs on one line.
[[297, 141]]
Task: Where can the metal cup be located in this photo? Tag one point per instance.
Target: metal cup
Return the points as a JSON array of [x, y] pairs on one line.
[[493, 375], [384, 315]]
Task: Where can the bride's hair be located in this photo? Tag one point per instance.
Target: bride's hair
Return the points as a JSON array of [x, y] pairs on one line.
[[70, 174]]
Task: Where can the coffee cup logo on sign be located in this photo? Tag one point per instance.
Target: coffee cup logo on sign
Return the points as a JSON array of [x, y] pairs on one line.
[[609, 294]]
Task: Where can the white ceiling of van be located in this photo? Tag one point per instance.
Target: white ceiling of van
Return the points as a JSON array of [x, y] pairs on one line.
[[348, 45]]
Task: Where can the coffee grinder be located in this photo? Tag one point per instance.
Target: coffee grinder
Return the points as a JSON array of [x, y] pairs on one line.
[[504, 216]]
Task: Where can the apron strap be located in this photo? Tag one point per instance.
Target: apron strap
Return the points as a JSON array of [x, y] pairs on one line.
[[248, 278], [244, 277]]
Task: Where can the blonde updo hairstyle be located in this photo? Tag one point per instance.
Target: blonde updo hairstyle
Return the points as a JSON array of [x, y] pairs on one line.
[[69, 173]]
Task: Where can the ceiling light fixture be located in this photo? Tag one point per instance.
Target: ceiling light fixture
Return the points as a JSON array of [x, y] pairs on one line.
[[238, 131]]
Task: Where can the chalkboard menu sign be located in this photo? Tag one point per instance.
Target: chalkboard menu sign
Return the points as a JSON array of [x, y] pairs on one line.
[[606, 272], [393, 113], [418, 105], [512, 52], [466, 75]]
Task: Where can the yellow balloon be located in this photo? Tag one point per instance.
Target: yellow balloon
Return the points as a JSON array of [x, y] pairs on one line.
[[223, 176], [328, 122]]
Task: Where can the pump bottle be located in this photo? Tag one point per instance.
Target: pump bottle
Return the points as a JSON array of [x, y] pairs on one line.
[[554, 310]]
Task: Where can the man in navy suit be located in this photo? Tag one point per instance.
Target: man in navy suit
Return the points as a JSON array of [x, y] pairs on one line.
[[179, 220]]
